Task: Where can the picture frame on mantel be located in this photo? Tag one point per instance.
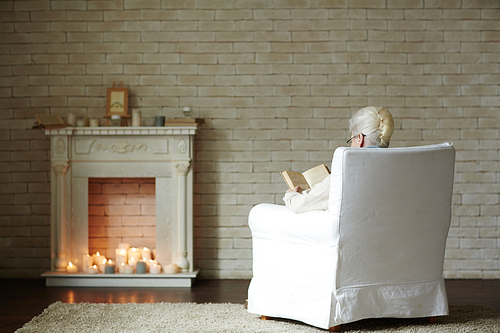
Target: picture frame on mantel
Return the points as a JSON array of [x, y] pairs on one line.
[[117, 102]]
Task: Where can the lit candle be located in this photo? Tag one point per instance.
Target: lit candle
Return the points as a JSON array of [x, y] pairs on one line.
[[87, 263], [155, 269], [151, 262], [93, 269], [129, 270], [71, 269], [110, 267], [97, 258], [134, 255], [170, 269], [146, 254], [102, 265], [136, 118], [121, 256], [121, 268]]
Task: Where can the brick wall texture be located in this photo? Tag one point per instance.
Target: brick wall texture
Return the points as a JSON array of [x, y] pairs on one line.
[[276, 81]]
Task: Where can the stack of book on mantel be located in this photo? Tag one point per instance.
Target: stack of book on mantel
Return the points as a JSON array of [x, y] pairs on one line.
[[184, 122]]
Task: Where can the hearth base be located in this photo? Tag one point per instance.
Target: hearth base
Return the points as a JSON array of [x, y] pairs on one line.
[[58, 279]]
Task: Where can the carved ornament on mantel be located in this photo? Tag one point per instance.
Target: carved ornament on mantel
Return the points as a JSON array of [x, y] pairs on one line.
[[121, 147]]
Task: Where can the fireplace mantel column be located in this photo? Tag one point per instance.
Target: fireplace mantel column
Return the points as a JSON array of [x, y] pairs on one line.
[[59, 216], [182, 168]]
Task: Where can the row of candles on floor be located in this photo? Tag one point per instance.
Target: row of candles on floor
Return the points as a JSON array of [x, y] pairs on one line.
[[129, 260]]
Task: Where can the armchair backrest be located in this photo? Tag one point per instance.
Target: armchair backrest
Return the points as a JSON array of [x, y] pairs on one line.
[[393, 210]]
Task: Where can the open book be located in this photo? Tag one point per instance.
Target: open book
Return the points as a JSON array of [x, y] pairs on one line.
[[306, 179]]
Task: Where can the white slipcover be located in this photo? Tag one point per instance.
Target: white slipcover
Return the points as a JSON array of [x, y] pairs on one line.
[[377, 252]]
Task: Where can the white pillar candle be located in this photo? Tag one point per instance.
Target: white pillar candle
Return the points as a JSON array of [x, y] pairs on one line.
[[146, 254], [170, 269], [121, 256], [87, 263], [71, 119], [93, 269], [97, 258], [136, 118], [71, 269], [134, 255], [102, 265], [129, 270], [155, 269], [123, 246], [151, 262], [121, 268]]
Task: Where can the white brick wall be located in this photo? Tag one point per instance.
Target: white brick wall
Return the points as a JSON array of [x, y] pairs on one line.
[[276, 82]]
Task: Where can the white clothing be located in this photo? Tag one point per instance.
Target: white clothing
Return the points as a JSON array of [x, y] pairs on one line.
[[312, 199]]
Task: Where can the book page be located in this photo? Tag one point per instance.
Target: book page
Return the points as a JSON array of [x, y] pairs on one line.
[[293, 179], [316, 175]]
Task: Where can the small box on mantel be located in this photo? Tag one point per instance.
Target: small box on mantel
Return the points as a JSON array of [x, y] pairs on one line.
[[184, 122]]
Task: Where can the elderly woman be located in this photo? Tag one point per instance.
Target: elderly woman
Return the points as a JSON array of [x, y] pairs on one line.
[[371, 127]]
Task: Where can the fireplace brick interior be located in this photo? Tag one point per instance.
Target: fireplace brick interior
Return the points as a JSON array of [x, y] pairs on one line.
[[121, 210]]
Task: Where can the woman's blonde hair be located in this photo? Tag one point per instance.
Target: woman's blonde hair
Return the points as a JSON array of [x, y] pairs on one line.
[[375, 123]]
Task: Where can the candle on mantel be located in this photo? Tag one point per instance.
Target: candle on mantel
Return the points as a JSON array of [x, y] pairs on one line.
[[97, 258], [93, 269], [110, 267], [170, 269], [102, 265], [134, 255], [146, 254], [155, 268], [71, 269], [129, 269], [141, 267], [121, 256], [151, 262], [87, 263], [121, 268]]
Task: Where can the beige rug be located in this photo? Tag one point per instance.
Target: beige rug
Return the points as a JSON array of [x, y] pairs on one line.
[[191, 317]]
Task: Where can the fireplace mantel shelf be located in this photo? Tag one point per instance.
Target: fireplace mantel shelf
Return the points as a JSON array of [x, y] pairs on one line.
[[167, 130], [61, 279], [164, 153]]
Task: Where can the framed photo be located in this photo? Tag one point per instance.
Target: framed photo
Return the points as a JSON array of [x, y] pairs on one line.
[[117, 101]]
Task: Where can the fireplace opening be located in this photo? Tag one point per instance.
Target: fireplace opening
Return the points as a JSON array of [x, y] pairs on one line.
[[121, 210]]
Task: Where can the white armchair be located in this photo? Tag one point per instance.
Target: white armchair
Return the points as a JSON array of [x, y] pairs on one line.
[[378, 250]]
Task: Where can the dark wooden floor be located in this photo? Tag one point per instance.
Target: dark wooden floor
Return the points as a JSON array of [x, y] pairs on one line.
[[20, 300]]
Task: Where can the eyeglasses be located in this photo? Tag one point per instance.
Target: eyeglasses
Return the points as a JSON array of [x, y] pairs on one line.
[[349, 141]]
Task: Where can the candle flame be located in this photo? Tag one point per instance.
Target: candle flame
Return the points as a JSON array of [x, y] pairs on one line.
[[97, 254], [70, 264], [94, 266], [110, 261], [104, 260]]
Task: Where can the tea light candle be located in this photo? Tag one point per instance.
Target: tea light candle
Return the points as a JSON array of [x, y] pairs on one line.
[[146, 254], [121, 268], [134, 255], [155, 269], [121, 256], [71, 269], [141, 267], [128, 270], [87, 263], [110, 267], [170, 269], [93, 269]]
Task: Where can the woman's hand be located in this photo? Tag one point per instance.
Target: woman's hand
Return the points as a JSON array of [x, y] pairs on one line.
[[295, 189]]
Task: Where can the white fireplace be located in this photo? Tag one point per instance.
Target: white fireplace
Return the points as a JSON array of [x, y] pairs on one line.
[[162, 153]]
